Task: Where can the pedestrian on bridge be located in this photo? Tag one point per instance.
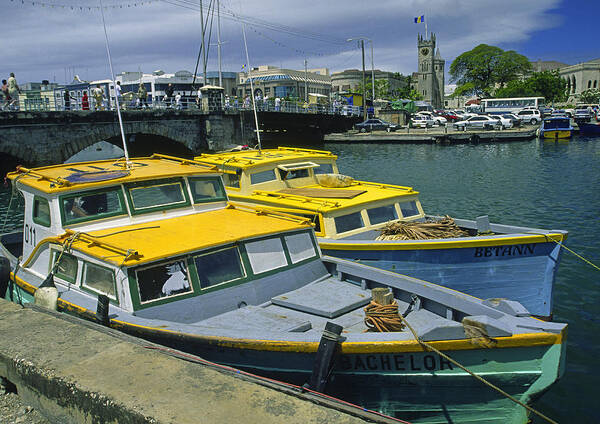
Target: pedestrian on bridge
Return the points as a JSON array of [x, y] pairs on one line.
[[142, 95], [13, 92], [98, 94], [67, 98], [6, 95], [85, 102]]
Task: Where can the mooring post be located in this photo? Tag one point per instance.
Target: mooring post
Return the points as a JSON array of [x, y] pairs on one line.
[[102, 310], [324, 359]]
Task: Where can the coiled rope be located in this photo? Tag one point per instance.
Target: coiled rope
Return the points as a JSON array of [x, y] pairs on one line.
[[383, 318]]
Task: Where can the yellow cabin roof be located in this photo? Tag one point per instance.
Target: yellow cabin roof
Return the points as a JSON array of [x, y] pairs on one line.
[[246, 159], [169, 238], [82, 175], [373, 194]]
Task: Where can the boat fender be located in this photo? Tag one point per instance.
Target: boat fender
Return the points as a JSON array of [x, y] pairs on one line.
[[46, 295], [102, 310], [324, 359], [334, 180], [4, 275]]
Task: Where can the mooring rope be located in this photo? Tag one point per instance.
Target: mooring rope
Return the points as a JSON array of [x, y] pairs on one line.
[[571, 251], [481, 379]]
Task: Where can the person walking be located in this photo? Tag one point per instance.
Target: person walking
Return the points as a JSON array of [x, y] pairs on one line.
[[98, 94], [169, 94], [142, 95], [199, 98], [178, 101], [67, 99], [13, 92], [6, 95], [118, 95], [85, 102]]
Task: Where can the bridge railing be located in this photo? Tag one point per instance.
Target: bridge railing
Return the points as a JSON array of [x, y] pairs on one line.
[[190, 103]]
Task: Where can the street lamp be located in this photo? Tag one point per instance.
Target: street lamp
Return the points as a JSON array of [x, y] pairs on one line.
[[362, 40]]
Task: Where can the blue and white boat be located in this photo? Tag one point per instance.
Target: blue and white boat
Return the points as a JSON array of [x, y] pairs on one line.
[[489, 260], [556, 127]]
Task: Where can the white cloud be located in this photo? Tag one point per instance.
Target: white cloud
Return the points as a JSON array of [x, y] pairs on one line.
[[47, 43]]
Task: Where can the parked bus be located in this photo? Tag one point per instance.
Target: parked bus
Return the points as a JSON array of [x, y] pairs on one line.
[[511, 105]]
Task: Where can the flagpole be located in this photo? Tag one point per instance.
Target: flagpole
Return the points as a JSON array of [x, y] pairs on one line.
[[426, 28]]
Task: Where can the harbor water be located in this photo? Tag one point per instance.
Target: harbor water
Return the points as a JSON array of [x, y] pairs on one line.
[[551, 185]]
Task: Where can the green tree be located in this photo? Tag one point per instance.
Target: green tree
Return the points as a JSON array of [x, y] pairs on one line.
[[590, 96], [485, 66], [547, 84]]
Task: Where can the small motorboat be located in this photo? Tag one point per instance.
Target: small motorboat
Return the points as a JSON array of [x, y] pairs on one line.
[[556, 127]]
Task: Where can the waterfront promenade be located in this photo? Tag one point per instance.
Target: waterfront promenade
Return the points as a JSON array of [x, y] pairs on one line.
[[72, 371]]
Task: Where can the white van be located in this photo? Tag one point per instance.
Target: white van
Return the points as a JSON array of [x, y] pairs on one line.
[[531, 116]]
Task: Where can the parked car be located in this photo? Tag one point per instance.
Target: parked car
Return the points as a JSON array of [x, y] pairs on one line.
[[478, 121], [530, 116], [375, 125], [450, 115], [439, 120], [516, 121], [504, 121], [582, 115], [546, 111], [421, 121]]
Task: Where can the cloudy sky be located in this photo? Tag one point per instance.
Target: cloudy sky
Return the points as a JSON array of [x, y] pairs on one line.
[[55, 39]]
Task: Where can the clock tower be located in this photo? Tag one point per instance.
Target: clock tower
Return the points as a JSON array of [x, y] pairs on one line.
[[430, 74]]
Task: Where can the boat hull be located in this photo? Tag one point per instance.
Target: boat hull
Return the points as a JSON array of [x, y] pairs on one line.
[[413, 385], [556, 134], [520, 269], [589, 128]]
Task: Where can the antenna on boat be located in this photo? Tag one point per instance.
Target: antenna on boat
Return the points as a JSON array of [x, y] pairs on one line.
[[112, 74], [251, 89]]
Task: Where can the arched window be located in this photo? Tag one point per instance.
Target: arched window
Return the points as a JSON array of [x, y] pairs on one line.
[[574, 85], [595, 83], [589, 83]]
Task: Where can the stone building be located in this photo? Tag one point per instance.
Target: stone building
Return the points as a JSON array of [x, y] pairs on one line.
[[271, 81], [581, 77], [430, 77], [351, 79]]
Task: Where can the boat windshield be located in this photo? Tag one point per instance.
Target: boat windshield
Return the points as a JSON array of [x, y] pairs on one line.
[[556, 124], [87, 206]]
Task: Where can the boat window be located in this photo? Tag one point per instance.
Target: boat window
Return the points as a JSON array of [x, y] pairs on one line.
[[219, 267], [348, 222], [409, 209], [41, 211], [164, 195], [314, 219], [300, 246], [100, 280], [266, 254], [92, 205], [163, 281], [296, 173], [231, 180], [262, 177], [382, 214], [324, 168], [207, 189], [67, 267]]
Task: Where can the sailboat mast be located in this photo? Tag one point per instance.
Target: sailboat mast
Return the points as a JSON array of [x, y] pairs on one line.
[[203, 46], [252, 90], [219, 41], [112, 75]]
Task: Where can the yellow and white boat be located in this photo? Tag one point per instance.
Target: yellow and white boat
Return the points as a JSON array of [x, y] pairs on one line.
[[157, 251], [493, 261]]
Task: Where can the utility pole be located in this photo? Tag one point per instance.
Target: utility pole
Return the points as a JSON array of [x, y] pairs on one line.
[[372, 74], [219, 41], [305, 81], [362, 46]]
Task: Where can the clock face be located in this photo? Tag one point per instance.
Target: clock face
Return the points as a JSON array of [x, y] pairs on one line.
[[424, 51]]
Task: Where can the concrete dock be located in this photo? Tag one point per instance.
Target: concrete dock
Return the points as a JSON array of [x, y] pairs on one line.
[[439, 135], [74, 371]]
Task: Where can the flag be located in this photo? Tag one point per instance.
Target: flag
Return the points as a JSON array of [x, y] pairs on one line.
[[420, 19]]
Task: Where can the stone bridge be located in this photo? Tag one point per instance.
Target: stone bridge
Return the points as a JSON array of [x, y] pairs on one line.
[[41, 138]]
